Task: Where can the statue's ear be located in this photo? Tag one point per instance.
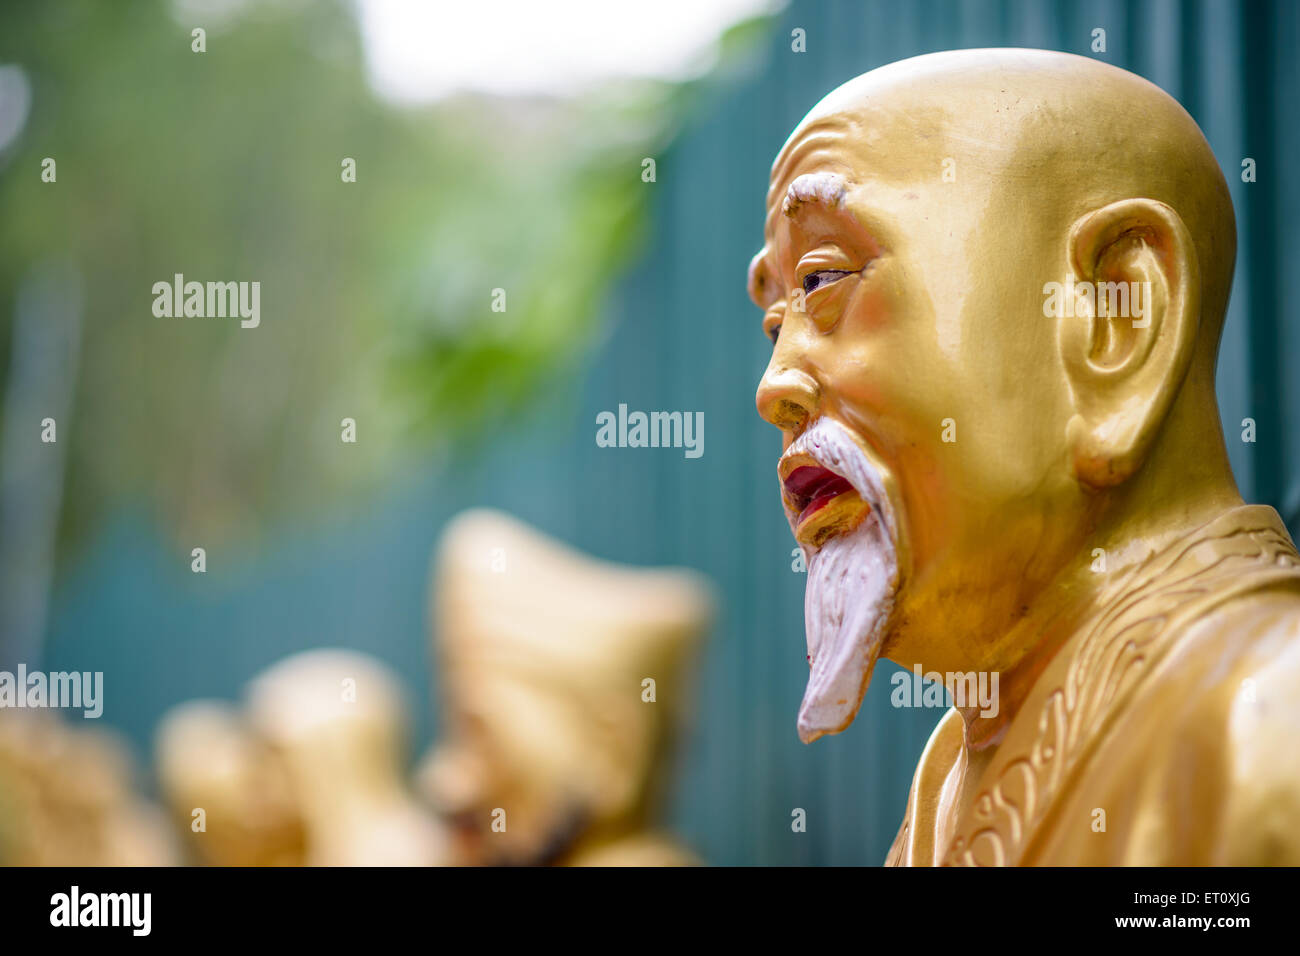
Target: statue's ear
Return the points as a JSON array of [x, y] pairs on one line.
[[1128, 346]]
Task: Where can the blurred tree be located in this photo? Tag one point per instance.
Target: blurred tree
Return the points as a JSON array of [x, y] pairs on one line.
[[376, 296]]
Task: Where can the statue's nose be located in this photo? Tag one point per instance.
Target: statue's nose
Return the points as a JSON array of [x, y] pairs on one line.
[[787, 397]]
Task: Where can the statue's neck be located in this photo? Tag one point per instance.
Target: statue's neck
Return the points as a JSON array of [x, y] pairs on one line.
[[1111, 564]]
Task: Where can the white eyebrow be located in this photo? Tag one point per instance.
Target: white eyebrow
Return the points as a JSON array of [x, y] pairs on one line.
[[825, 188]]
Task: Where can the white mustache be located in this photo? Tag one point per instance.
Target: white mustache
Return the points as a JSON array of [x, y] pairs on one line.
[[852, 583]]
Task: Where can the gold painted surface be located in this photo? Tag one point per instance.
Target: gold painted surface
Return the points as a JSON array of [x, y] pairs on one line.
[[921, 211], [208, 758], [311, 771], [543, 655], [69, 797]]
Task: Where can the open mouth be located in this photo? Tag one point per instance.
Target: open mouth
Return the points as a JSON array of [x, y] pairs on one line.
[[812, 487], [821, 502]]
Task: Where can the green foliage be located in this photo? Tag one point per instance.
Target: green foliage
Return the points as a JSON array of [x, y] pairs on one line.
[[375, 296]]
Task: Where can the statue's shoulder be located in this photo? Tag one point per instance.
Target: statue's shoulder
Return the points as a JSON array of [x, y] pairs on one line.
[[1231, 689], [1233, 631], [1251, 644], [1199, 765]]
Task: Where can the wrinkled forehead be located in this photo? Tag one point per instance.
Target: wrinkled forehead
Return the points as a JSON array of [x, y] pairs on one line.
[[817, 164]]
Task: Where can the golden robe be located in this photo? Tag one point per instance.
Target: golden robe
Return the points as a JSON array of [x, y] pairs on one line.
[[1162, 733]]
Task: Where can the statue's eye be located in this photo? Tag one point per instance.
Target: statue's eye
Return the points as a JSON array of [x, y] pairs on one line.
[[823, 277], [774, 333]]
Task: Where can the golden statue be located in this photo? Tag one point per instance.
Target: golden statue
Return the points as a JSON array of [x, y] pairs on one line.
[[564, 680], [338, 721], [68, 798], [312, 773], [995, 281], [226, 788]]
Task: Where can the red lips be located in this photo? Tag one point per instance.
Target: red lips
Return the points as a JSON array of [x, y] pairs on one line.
[[811, 488]]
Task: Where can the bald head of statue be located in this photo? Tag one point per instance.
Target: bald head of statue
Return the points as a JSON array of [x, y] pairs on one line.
[[995, 282]]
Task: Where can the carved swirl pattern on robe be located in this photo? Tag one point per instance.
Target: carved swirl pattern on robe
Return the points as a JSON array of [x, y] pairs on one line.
[[1125, 636]]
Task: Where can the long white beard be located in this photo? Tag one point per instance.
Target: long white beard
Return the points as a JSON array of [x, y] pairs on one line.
[[852, 584]]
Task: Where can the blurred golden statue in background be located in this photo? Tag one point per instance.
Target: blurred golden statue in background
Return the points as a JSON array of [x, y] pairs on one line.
[[338, 722], [312, 773], [208, 760], [995, 281], [68, 798], [565, 680]]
